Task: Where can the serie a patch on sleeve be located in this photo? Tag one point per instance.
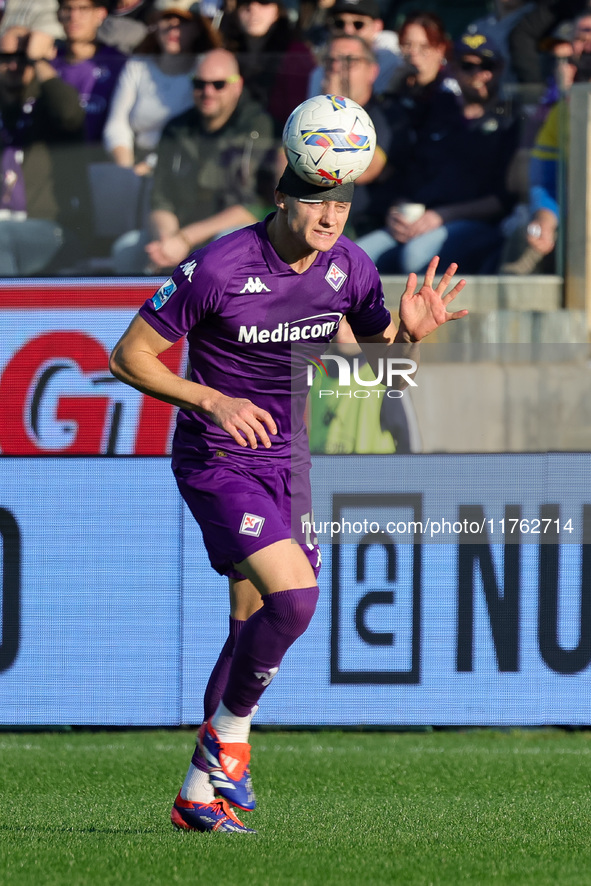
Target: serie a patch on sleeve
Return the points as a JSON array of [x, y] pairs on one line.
[[161, 297]]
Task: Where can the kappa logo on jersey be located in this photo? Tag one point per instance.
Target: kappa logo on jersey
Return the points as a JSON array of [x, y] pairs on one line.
[[251, 524], [266, 676], [335, 277], [161, 297], [254, 284], [187, 268]]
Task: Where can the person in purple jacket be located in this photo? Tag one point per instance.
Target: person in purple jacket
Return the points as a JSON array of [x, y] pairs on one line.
[[246, 302], [85, 63]]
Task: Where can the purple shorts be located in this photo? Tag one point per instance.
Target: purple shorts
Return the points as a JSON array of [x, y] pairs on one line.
[[241, 511]]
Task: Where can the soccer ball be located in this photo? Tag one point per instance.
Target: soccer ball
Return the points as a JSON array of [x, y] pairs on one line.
[[329, 140]]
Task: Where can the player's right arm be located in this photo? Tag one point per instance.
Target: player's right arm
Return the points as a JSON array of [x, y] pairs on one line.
[[134, 360]]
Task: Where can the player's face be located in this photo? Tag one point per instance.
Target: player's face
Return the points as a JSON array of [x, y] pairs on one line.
[[315, 226]]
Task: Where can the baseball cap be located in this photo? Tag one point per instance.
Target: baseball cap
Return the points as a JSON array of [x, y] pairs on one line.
[[184, 8], [480, 45], [357, 7], [294, 186]]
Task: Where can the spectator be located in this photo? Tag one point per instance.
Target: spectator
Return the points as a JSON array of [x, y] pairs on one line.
[[548, 157], [312, 21], [498, 24], [424, 85], [362, 18], [350, 69], [274, 61], [532, 29], [92, 69], [156, 87], [209, 160], [39, 15], [127, 24], [85, 63], [39, 114], [455, 180], [530, 247], [561, 50], [565, 43]]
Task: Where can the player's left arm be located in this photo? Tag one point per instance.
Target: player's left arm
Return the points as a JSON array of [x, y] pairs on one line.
[[421, 313]]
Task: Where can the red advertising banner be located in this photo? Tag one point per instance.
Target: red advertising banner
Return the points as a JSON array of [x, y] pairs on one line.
[[57, 396]]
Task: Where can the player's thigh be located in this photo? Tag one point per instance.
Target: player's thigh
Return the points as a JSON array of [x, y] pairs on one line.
[[281, 566], [238, 512]]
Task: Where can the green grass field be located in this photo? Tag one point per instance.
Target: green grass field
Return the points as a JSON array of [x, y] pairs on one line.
[[477, 807]]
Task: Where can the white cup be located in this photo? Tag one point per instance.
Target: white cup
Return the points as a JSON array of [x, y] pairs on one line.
[[410, 212]]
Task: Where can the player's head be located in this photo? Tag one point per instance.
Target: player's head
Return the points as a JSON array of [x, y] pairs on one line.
[[315, 216], [81, 19], [350, 68], [217, 87]]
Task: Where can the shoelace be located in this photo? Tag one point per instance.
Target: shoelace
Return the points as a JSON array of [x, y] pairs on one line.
[[225, 808]]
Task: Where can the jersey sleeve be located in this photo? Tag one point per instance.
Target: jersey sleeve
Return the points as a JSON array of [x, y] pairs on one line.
[[368, 314], [184, 299]]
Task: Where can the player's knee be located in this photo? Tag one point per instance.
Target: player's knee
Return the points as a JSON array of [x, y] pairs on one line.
[[291, 611]]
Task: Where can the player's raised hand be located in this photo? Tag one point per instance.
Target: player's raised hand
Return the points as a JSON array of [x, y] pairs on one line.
[[243, 421], [423, 311]]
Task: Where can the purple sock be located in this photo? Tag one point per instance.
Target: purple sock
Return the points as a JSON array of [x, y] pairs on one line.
[[217, 682], [264, 640], [219, 676]]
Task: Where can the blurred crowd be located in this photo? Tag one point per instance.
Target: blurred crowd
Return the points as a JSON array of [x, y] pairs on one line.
[[134, 131]]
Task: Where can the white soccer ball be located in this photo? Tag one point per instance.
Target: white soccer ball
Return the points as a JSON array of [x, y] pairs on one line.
[[329, 140]]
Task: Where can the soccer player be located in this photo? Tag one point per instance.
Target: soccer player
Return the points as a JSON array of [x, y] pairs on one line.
[[240, 452]]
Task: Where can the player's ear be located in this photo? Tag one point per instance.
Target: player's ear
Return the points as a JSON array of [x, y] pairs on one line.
[[280, 200]]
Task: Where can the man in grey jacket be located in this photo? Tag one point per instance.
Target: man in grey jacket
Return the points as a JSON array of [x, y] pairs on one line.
[[210, 162]]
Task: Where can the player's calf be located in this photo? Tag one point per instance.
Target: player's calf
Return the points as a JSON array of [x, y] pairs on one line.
[[263, 641]]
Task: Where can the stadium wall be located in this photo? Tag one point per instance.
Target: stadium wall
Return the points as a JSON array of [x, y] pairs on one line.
[[456, 590]]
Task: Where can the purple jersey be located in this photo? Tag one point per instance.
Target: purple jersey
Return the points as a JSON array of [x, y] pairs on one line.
[[95, 79], [245, 311]]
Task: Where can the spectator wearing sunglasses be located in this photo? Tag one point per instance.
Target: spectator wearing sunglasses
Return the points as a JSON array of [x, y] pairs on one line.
[[457, 173], [155, 85], [274, 60], [362, 18], [211, 160]]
